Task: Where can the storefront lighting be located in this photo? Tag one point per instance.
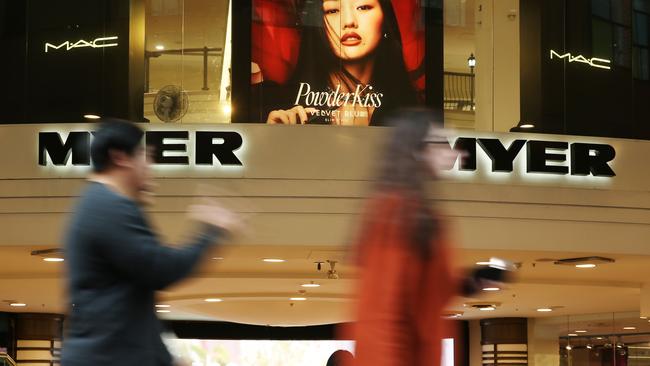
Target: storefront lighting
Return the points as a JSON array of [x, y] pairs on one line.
[[91, 116], [572, 335], [580, 331], [568, 348], [160, 47], [310, 285], [227, 109], [273, 260], [586, 265], [544, 310], [213, 300], [589, 346], [53, 259], [487, 308], [18, 304]]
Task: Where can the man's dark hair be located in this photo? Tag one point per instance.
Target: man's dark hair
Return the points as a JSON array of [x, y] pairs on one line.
[[117, 135], [340, 357]]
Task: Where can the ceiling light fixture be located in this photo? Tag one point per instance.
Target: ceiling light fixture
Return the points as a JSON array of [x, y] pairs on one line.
[[580, 331], [491, 289], [599, 338], [586, 265], [483, 263], [213, 300], [487, 308], [310, 285], [160, 47], [629, 328], [544, 310], [568, 348], [298, 298], [163, 311], [273, 260], [572, 335], [643, 317], [163, 306], [217, 258], [91, 116], [53, 259], [18, 304]]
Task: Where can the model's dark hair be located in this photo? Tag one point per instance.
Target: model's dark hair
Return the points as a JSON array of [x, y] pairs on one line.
[[403, 170], [116, 135], [340, 357], [316, 60]]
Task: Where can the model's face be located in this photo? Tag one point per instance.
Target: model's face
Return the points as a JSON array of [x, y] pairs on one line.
[[354, 27]]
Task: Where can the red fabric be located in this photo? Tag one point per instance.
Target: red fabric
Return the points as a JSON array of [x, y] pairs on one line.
[[276, 39], [401, 296]]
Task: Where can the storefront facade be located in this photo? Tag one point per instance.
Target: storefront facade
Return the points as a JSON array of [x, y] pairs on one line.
[[541, 200]]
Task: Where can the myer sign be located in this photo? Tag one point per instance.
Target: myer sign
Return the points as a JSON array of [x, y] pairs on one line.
[[203, 147], [170, 147]]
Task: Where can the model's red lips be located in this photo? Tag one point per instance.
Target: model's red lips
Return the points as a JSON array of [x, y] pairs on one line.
[[350, 39]]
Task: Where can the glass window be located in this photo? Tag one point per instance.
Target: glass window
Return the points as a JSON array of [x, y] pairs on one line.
[[600, 8], [641, 64], [184, 63], [621, 11], [642, 5], [641, 30], [622, 46], [602, 39]]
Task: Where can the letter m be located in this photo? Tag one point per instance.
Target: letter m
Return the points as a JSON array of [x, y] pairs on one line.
[[76, 145], [566, 55], [49, 45]]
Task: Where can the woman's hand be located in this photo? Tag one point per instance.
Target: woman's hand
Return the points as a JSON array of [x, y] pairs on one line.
[[293, 116]]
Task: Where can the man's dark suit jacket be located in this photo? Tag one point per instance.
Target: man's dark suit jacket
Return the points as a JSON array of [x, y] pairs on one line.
[[115, 264]]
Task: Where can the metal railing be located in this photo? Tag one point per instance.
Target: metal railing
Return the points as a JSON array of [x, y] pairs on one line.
[[459, 91], [204, 51], [6, 360]]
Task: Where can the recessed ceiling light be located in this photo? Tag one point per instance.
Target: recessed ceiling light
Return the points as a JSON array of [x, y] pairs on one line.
[[572, 335], [310, 285], [487, 308], [53, 259], [483, 263], [580, 331], [160, 47], [544, 310], [599, 338], [629, 328], [586, 265], [643, 317], [227, 109], [298, 298], [273, 260], [163, 306], [163, 311], [568, 348], [91, 116], [589, 346], [491, 289], [217, 258], [213, 300], [17, 304]]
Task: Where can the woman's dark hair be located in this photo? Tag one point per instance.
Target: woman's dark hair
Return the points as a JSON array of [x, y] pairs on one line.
[[116, 135], [402, 170], [316, 59], [339, 357]]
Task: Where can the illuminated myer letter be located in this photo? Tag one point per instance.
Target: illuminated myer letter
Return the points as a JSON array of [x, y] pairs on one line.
[[76, 146]]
